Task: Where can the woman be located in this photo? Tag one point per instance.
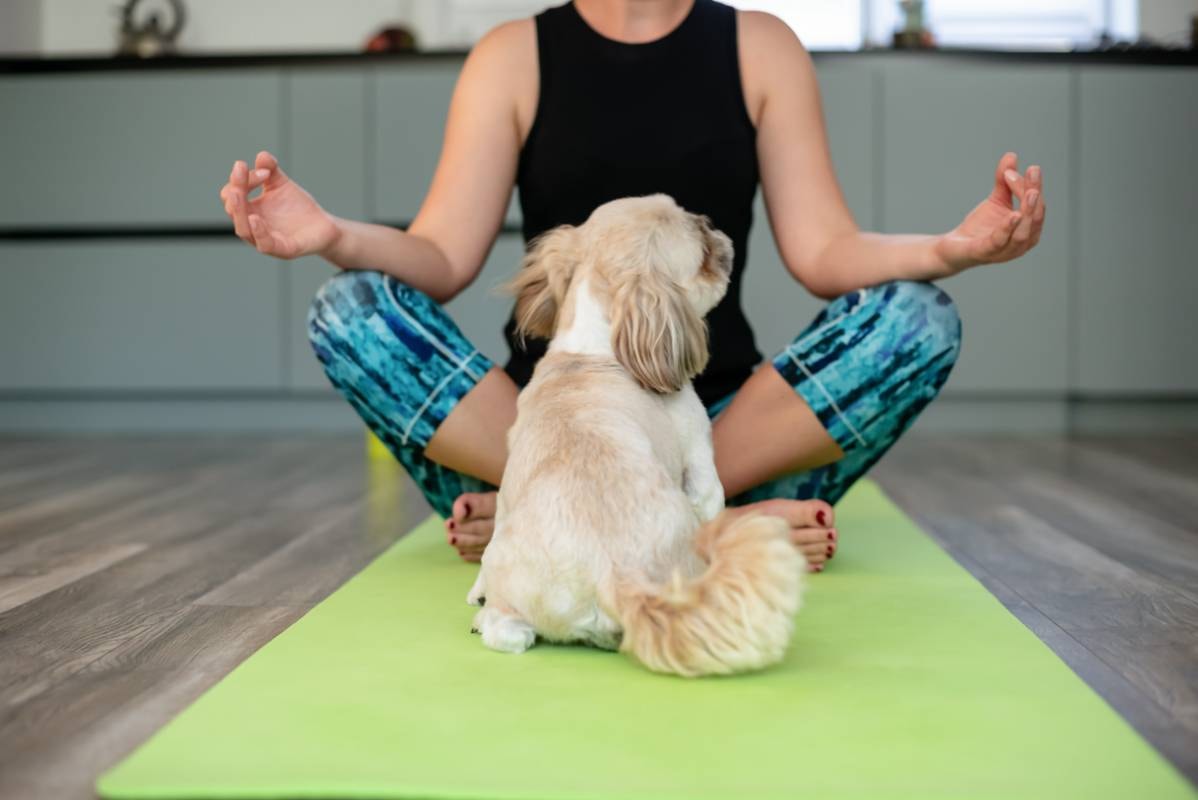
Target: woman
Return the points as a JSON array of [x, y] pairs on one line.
[[597, 99]]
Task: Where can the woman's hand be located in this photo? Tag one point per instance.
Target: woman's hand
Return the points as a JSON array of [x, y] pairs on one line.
[[994, 231], [283, 221]]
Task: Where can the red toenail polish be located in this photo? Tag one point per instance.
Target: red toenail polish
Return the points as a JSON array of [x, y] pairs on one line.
[[830, 551], [452, 524], [831, 536], [453, 540], [467, 507], [819, 517]]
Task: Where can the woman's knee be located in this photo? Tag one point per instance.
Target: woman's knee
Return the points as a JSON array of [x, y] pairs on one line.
[[345, 296], [927, 314]]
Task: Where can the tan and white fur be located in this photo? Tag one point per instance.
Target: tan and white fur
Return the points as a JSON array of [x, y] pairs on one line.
[[610, 526]]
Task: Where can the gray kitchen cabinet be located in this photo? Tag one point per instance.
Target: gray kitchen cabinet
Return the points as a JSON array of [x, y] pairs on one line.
[[130, 150], [411, 104], [1137, 243], [327, 130], [133, 315], [944, 131]]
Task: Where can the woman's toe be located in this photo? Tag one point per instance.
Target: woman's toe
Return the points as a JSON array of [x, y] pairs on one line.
[[800, 513], [821, 537], [474, 506], [814, 553]]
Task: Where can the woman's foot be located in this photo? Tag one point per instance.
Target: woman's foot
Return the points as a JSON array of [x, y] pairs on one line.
[[811, 526], [470, 526]]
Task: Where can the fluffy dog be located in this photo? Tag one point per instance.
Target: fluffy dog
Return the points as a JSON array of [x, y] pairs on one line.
[[609, 527]]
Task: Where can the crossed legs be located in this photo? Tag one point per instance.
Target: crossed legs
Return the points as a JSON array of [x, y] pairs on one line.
[[801, 430]]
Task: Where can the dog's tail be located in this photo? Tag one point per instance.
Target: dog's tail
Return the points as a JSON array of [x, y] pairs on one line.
[[737, 615]]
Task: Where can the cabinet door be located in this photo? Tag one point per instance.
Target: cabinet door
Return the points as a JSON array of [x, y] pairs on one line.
[[327, 135], [777, 306], [139, 315], [945, 126], [411, 103], [130, 149], [1137, 241]]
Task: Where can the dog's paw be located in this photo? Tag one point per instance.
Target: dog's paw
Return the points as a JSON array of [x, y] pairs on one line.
[[504, 632], [477, 596], [709, 504]]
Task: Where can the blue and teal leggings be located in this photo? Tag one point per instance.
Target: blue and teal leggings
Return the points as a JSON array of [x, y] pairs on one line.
[[867, 365]]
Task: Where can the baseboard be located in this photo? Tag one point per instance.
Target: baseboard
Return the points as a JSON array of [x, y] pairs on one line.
[[1111, 415], [170, 414], [327, 412], [956, 414]]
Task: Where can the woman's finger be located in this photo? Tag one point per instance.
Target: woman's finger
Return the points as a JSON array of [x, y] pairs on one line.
[[265, 160], [1017, 184], [1002, 188], [257, 178], [241, 223], [263, 241], [1023, 231], [999, 238], [1037, 225], [241, 203]]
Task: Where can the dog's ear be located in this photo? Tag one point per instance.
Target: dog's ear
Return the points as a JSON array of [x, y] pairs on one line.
[[541, 284], [656, 333]]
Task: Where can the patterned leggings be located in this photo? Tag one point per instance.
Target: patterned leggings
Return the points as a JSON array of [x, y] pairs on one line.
[[867, 365]]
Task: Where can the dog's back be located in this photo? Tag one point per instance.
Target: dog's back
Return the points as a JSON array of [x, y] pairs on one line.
[[590, 490]]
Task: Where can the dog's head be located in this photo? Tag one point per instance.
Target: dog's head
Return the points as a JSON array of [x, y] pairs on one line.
[[656, 268]]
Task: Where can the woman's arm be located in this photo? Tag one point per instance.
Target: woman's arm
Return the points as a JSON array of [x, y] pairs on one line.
[[444, 248], [815, 232]]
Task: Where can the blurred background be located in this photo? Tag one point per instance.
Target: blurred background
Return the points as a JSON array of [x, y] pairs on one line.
[[128, 305]]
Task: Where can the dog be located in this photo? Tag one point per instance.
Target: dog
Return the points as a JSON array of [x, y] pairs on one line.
[[610, 527]]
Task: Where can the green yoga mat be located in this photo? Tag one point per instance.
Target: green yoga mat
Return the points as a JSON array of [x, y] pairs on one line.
[[906, 679]]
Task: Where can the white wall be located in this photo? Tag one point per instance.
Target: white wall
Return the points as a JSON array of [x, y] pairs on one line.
[[20, 27], [90, 26], [1167, 20], [69, 27]]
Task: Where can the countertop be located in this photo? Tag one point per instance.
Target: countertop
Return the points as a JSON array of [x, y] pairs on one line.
[[25, 65]]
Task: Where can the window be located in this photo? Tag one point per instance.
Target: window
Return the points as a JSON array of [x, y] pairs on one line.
[[821, 24], [1015, 24]]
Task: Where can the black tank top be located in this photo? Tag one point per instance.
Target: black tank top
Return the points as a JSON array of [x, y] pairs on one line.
[[615, 120]]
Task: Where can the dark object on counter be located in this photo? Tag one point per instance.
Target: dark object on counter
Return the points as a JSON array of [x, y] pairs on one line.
[[393, 39], [913, 35], [150, 39]]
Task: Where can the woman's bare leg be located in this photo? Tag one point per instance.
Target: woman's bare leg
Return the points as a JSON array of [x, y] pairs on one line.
[[766, 431], [748, 451], [473, 438]]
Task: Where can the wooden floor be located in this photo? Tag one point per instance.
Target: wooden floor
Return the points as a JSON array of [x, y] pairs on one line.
[[135, 572]]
